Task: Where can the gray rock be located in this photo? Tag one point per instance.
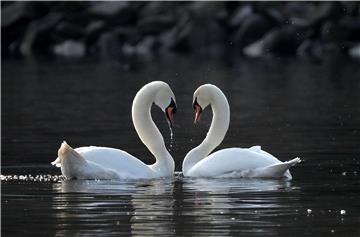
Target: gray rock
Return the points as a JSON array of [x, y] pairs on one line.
[[112, 42], [70, 48], [158, 8], [317, 14], [14, 12], [69, 30], [15, 17], [284, 41], [342, 31], [108, 9], [279, 41], [147, 46], [94, 30], [354, 52], [255, 49], [94, 26], [351, 26], [115, 12], [317, 50], [132, 28], [156, 24], [177, 38], [350, 8], [127, 34], [34, 31], [305, 49], [298, 11], [109, 45], [253, 28], [205, 32], [326, 50], [240, 15]]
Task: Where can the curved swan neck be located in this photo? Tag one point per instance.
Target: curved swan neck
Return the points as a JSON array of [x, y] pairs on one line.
[[217, 131], [148, 132]]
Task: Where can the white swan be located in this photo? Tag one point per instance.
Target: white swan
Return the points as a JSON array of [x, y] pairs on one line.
[[231, 162], [108, 163]]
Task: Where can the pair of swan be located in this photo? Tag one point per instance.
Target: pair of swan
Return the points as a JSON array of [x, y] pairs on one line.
[[108, 163]]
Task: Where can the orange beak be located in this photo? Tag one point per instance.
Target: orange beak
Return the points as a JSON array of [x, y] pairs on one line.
[[170, 111], [198, 111], [170, 115]]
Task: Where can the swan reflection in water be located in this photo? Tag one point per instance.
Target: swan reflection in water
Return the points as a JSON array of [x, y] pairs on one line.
[[129, 206], [228, 206], [171, 206]]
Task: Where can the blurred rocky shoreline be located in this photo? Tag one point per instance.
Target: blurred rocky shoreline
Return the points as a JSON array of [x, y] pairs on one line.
[[120, 29]]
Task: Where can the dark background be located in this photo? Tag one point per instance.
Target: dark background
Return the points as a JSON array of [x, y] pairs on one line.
[[311, 30]]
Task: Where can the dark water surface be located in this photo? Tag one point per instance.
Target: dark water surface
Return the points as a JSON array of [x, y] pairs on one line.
[[291, 108]]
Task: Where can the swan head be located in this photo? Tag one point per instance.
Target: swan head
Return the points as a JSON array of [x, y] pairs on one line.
[[202, 98], [165, 100]]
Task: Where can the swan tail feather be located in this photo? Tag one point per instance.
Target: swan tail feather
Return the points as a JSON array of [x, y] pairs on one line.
[[293, 161], [278, 170], [66, 153], [71, 162]]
